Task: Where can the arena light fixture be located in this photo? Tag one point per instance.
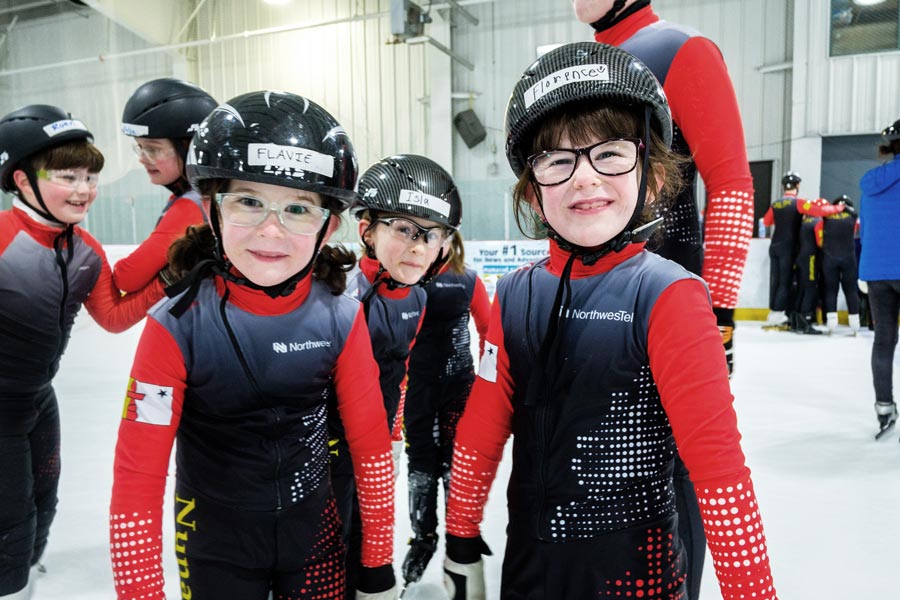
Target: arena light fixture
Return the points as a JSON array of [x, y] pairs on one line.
[[867, 2]]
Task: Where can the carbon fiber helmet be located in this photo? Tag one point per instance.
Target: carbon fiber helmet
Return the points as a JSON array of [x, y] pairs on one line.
[[277, 138], [413, 185], [32, 129], [166, 108], [791, 179], [891, 132], [575, 73]]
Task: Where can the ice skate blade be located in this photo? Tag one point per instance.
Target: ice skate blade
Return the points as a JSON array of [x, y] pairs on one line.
[[886, 429], [421, 590]]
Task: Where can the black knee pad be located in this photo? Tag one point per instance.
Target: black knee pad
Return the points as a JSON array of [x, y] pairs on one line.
[[16, 547]]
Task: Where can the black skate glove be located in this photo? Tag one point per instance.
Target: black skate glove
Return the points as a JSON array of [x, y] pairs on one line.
[[725, 321], [464, 569], [376, 583]]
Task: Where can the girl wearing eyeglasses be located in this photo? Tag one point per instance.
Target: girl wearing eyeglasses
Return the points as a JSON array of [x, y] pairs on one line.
[[162, 116], [600, 360], [240, 365], [408, 205], [49, 267], [441, 372]]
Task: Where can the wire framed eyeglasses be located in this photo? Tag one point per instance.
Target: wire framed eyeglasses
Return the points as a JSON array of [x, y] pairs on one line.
[[409, 231]]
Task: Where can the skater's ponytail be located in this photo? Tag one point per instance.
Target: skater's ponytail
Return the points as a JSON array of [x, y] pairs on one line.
[[332, 266]]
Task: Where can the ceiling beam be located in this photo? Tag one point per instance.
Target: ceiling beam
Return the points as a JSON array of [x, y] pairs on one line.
[[157, 22]]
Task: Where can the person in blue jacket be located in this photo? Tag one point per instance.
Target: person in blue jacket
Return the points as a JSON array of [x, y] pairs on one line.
[[879, 266]]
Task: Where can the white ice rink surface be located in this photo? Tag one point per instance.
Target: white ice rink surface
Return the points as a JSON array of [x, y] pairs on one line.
[[829, 494]]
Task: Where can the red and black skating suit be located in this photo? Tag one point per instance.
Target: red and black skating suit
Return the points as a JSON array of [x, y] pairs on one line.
[[786, 215], [140, 267], [441, 372], [591, 499], [807, 265], [253, 505], [839, 268], [708, 129], [44, 280], [393, 318]]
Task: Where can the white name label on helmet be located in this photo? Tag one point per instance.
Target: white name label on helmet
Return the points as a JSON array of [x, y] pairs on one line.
[[135, 130], [428, 201], [63, 126], [563, 77], [290, 159]]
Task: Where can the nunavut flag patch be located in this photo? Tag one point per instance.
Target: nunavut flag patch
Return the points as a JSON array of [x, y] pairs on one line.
[[148, 403]]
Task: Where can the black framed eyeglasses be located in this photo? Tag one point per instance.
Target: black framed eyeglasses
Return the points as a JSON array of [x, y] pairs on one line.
[[245, 210], [409, 231], [610, 157]]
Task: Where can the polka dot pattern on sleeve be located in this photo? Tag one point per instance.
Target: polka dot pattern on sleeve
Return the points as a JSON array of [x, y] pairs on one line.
[[375, 488], [729, 226], [136, 550], [736, 540]]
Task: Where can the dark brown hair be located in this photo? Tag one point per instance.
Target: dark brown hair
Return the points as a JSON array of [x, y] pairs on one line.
[[73, 155], [199, 243], [892, 148], [582, 123], [457, 254]]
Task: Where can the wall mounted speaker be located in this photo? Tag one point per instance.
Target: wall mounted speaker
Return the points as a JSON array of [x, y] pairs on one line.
[[469, 127]]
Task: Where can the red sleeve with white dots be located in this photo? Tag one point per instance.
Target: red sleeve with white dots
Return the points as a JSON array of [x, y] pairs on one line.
[[705, 107], [150, 420], [736, 540], [686, 358], [362, 412]]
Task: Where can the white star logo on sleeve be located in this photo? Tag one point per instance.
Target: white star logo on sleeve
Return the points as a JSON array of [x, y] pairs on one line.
[[487, 370]]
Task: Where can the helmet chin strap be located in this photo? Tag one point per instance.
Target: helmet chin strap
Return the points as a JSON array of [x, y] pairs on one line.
[[544, 382], [630, 234], [393, 284], [221, 266], [43, 210], [613, 15]]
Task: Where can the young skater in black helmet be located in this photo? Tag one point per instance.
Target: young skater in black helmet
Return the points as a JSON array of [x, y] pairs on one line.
[[162, 116], [49, 268], [599, 360], [241, 366], [441, 372], [407, 208], [839, 269], [787, 295]]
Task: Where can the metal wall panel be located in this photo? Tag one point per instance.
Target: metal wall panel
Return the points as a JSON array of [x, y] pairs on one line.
[[750, 33], [95, 92], [790, 92], [377, 91]]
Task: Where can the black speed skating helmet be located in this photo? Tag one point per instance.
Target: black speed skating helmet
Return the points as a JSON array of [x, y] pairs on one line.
[[32, 129], [891, 132], [791, 179], [166, 108], [843, 198], [277, 138], [413, 185], [575, 73]]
